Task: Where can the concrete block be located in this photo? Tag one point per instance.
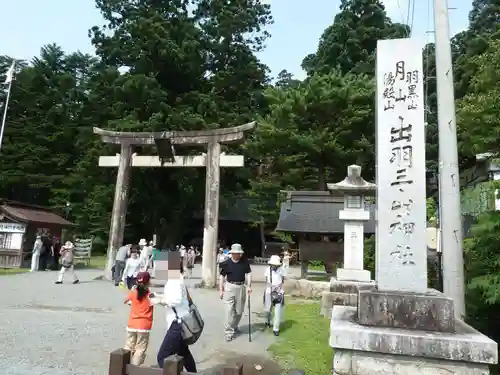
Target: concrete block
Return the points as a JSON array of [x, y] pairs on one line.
[[342, 293], [464, 345], [353, 275], [330, 299], [352, 362], [305, 288], [348, 286], [432, 311]]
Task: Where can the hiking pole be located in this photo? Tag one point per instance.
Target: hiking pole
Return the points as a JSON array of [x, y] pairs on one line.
[[249, 321]]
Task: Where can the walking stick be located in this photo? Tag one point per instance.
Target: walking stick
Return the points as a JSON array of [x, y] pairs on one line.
[[249, 321]]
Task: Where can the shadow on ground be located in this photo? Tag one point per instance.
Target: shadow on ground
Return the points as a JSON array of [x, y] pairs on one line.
[[249, 362]]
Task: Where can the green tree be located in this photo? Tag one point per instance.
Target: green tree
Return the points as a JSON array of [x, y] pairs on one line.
[[165, 66], [312, 133], [43, 120], [479, 111], [349, 44], [285, 79], [482, 276]]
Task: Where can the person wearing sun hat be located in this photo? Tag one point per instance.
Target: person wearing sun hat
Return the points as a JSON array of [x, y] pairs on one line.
[[233, 274], [274, 294], [67, 263]]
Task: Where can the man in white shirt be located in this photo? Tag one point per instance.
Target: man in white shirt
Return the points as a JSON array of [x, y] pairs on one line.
[[132, 268], [274, 294], [35, 258]]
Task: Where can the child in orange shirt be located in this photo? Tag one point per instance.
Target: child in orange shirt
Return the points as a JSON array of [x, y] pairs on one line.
[[140, 319]]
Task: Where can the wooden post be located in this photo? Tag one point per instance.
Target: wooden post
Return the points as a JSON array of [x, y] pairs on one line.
[[233, 370], [211, 224], [119, 212], [173, 365], [118, 361]]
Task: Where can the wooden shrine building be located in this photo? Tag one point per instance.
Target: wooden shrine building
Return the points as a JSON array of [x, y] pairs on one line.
[[312, 217], [20, 223]]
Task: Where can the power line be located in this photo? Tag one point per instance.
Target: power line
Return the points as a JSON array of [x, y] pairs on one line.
[[427, 53], [408, 9], [412, 15]]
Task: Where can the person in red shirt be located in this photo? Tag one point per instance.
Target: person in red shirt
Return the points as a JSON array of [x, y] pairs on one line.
[[140, 319]]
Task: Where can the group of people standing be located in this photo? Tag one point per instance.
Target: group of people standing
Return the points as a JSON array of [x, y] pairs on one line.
[[176, 300], [188, 258], [235, 286], [51, 255], [235, 283], [132, 259], [46, 253]]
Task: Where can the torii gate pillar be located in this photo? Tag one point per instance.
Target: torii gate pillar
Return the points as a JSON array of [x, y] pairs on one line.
[[211, 219], [119, 213]]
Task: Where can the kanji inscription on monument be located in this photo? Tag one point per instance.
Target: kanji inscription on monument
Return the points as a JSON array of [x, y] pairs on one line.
[[401, 246]]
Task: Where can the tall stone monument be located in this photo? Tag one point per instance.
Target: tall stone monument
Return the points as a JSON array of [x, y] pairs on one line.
[[400, 326]]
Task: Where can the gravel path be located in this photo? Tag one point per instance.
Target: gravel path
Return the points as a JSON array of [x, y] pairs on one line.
[[48, 329]]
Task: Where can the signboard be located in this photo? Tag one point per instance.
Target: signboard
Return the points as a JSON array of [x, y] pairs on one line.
[[12, 228]]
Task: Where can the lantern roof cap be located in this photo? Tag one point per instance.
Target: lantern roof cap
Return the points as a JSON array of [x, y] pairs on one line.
[[353, 184]]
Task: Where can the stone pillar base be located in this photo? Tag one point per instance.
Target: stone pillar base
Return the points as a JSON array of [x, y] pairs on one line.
[[353, 362], [344, 274], [432, 311], [364, 350], [341, 293]]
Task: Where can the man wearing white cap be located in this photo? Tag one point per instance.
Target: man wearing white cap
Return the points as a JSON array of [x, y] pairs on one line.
[[234, 273], [273, 294]]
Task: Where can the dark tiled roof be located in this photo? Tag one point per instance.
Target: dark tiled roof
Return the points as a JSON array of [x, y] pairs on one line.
[[32, 214], [315, 212]]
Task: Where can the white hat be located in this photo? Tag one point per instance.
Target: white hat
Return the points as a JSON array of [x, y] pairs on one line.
[[142, 242], [274, 260], [236, 249], [68, 245]]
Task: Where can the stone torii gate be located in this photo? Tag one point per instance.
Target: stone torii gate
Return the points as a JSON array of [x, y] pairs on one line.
[[165, 142]]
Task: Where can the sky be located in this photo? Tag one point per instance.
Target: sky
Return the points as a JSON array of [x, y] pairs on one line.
[[295, 33]]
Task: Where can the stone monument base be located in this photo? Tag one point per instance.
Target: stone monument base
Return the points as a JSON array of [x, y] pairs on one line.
[[345, 274], [432, 311], [363, 350], [342, 293]]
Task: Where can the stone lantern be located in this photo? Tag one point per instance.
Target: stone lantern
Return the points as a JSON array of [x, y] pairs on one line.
[[354, 189]]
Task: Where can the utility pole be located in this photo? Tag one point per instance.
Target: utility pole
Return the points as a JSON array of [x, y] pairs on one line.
[[449, 179]]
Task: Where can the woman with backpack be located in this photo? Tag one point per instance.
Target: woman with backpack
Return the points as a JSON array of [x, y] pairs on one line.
[[67, 263], [274, 296], [176, 300]]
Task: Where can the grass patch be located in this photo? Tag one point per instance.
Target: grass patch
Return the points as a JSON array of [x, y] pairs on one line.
[[319, 278], [303, 340], [98, 261], [12, 271], [312, 267]]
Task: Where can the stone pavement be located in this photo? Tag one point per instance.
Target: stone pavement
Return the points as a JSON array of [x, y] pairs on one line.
[[71, 329]]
